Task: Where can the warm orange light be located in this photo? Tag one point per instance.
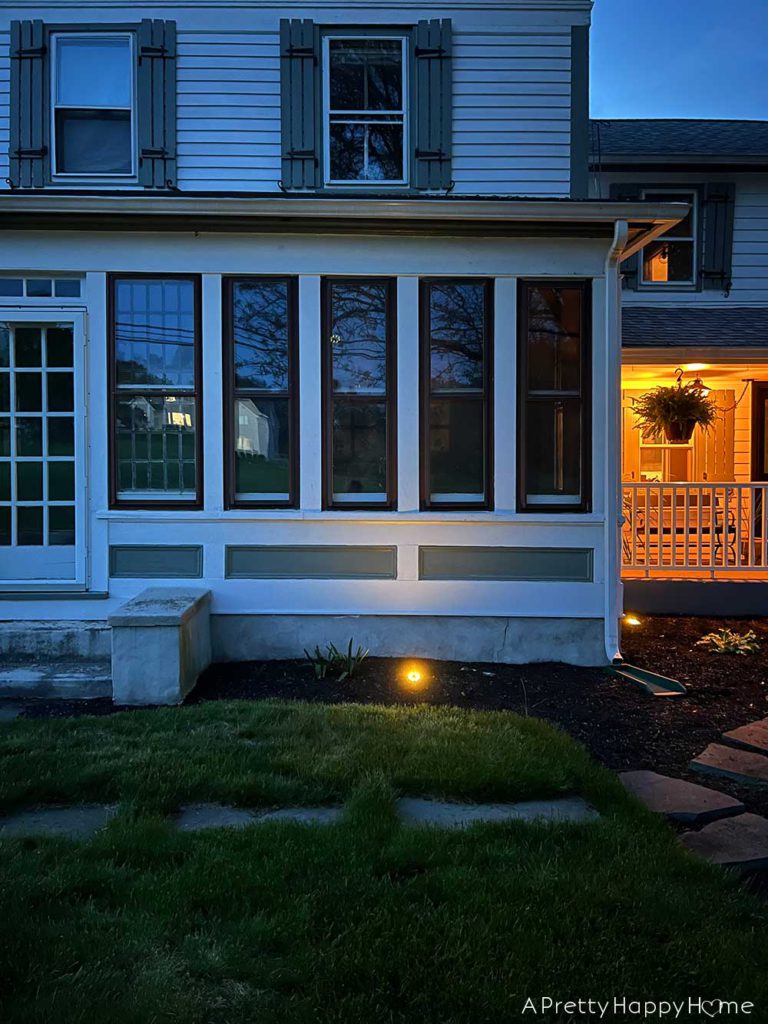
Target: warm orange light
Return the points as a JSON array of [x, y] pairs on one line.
[[632, 620], [414, 675], [693, 367]]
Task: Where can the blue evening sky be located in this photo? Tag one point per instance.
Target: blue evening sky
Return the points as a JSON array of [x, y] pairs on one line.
[[680, 58]]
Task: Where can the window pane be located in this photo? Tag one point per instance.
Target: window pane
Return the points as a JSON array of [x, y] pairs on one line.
[[29, 481], [5, 481], [359, 451], [28, 349], [366, 152], [29, 525], [456, 450], [155, 332], [29, 392], [29, 435], [61, 525], [11, 286], [39, 288], [60, 392], [457, 328], [67, 288], [262, 449], [155, 441], [61, 481], [61, 435], [665, 262], [358, 336], [5, 345], [93, 72], [260, 320], [685, 228], [5, 436], [58, 346], [553, 450], [366, 74], [5, 526], [93, 142], [554, 339]]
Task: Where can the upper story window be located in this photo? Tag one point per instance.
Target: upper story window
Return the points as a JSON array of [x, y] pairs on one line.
[[93, 105], [365, 110], [671, 259]]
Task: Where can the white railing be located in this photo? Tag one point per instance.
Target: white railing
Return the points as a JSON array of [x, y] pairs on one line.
[[718, 528]]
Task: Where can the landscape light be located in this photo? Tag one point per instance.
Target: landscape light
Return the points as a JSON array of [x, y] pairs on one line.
[[632, 620]]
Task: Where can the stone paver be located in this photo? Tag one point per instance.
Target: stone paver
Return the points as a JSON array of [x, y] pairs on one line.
[[195, 817], [680, 800], [444, 814], [752, 737], [740, 765], [70, 822], [740, 843]]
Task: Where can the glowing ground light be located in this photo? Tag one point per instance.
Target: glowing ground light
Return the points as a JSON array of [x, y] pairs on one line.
[[414, 677], [632, 620]]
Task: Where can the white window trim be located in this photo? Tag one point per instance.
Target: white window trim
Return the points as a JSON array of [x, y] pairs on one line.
[[99, 176], [404, 112], [690, 284]]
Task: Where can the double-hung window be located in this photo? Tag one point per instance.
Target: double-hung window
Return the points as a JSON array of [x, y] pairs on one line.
[[554, 410], [92, 108], [456, 414], [365, 110], [156, 391], [359, 375], [261, 364], [671, 259]]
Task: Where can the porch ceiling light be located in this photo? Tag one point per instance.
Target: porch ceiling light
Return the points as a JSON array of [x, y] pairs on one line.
[[694, 367]]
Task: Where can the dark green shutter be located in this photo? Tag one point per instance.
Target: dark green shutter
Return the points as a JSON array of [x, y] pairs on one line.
[[29, 105], [156, 54], [629, 268], [299, 98], [717, 256], [433, 121]]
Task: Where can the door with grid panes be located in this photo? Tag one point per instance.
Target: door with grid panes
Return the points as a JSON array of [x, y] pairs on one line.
[[42, 486]]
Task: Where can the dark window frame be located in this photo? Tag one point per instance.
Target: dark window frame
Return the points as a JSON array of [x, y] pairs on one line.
[[584, 396], [390, 398], [114, 393], [232, 392], [426, 394]]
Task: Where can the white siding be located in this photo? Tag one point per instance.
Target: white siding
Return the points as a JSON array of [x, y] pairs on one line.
[[5, 124]]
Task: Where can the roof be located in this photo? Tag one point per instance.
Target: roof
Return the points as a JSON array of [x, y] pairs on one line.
[[678, 137], [689, 327]]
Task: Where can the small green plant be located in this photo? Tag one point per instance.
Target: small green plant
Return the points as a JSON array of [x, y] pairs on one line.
[[345, 663], [728, 641], [674, 411]]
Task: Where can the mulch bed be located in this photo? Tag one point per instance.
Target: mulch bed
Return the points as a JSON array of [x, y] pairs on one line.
[[620, 725]]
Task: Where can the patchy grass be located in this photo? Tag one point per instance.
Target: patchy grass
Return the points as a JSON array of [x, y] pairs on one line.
[[361, 921]]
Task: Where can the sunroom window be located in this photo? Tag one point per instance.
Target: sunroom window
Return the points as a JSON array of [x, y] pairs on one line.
[[92, 105], [365, 111]]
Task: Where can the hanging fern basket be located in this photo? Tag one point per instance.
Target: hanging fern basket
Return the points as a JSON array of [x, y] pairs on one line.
[[674, 412], [680, 433]]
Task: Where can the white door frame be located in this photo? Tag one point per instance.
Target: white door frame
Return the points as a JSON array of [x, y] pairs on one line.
[[48, 315]]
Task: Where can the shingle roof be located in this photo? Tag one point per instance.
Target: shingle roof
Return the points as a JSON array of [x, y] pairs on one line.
[[679, 137], [650, 326]]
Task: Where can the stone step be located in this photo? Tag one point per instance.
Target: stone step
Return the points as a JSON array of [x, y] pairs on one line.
[[740, 843], [739, 765], [752, 737], [72, 678], [680, 800], [22, 640]]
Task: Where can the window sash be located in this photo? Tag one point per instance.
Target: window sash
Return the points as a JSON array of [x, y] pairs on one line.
[[153, 499], [234, 392], [455, 395], [388, 398], [580, 398], [669, 237], [56, 106], [373, 118]]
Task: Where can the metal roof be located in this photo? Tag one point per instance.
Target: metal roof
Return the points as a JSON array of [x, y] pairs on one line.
[[691, 327]]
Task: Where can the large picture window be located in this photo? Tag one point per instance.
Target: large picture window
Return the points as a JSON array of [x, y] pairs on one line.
[[359, 393], [365, 110], [456, 374], [155, 376], [261, 364], [554, 408]]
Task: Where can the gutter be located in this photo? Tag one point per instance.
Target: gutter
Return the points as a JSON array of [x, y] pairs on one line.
[[612, 428]]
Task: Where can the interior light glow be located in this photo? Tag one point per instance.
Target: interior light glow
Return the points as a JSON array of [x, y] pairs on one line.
[[694, 367]]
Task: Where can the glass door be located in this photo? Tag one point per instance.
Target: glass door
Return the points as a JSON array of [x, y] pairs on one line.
[[41, 452]]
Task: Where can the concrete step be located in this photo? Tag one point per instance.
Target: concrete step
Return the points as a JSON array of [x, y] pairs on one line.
[[73, 678], [57, 639]]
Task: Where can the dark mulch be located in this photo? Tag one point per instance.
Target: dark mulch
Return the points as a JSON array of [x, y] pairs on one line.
[[621, 726]]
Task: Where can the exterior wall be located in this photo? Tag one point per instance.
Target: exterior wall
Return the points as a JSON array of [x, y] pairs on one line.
[[530, 594], [750, 239], [511, 86]]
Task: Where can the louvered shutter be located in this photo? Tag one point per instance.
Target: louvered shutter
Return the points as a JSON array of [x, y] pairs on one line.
[[717, 256], [299, 99], [629, 268], [433, 121], [29, 157], [156, 76]]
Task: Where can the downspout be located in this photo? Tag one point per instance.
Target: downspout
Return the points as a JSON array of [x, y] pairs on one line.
[[612, 427]]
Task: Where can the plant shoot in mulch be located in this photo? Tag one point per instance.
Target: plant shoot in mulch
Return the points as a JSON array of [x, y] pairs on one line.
[[728, 641]]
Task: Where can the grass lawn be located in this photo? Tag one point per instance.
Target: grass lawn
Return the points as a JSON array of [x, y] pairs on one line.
[[362, 922]]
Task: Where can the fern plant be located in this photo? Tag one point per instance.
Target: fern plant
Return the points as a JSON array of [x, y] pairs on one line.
[[728, 641], [674, 411]]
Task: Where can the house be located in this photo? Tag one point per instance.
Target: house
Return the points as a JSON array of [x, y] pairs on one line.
[[309, 307], [695, 307]]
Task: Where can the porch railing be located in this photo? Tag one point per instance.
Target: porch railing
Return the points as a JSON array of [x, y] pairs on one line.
[[717, 528]]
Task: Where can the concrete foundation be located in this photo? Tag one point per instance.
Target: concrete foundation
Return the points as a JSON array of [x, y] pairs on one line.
[[161, 642], [513, 641]]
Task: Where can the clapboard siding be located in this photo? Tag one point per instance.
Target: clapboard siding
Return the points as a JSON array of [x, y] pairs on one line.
[[5, 122]]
